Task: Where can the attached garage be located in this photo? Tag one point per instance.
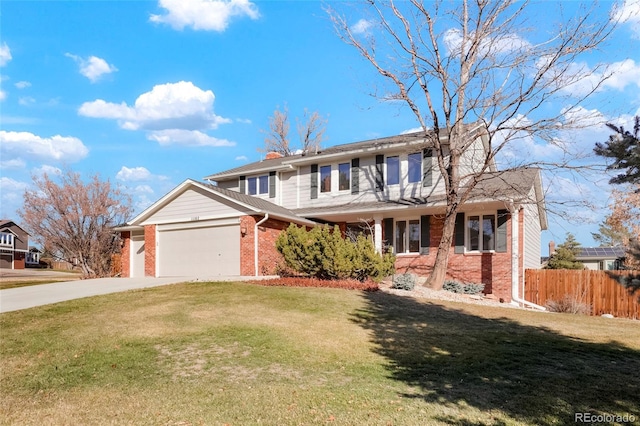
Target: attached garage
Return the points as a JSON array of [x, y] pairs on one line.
[[199, 231], [6, 261], [199, 250]]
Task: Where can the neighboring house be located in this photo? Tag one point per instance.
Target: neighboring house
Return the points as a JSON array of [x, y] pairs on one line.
[[393, 185], [595, 258], [14, 246], [601, 258]]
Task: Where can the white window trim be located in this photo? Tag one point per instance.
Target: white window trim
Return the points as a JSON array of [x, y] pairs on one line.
[[331, 176], [348, 163], [386, 171], [467, 234], [257, 178], [406, 242]]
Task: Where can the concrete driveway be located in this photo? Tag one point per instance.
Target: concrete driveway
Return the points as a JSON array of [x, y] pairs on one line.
[[15, 299]]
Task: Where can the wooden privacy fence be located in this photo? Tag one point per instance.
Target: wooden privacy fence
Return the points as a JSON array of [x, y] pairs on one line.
[[599, 289]]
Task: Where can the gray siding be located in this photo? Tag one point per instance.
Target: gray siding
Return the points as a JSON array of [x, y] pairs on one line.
[[191, 204], [532, 230]]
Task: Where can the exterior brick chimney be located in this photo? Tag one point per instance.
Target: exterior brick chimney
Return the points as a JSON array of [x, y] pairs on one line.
[[272, 155], [552, 247]]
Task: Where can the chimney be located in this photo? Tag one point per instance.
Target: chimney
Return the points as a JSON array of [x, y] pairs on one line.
[[271, 155], [552, 247]]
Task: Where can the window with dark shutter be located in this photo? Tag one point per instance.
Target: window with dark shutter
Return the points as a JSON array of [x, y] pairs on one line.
[[272, 184], [501, 232], [314, 181], [459, 233], [425, 234], [355, 175], [379, 173], [243, 184], [387, 230], [427, 167]]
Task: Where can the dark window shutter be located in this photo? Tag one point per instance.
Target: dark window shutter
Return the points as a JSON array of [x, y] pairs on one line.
[[272, 184], [355, 175], [427, 167], [425, 234], [387, 230], [379, 173], [314, 181], [459, 233], [501, 232], [243, 184]]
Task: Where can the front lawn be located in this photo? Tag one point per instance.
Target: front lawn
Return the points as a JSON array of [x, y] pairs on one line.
[[243, 354]]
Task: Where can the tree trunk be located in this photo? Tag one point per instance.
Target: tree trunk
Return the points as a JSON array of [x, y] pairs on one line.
[[439, 272]]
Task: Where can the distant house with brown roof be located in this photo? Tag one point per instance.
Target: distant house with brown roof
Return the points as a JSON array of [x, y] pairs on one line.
[[14, 246], [392, 184]]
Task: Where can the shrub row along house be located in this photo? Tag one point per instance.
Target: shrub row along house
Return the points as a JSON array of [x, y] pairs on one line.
[[390, 188]]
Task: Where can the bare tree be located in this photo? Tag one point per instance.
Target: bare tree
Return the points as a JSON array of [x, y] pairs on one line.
[[310, 131], [75, 219], [470, 62]]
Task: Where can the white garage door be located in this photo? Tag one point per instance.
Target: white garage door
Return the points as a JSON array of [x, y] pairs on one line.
[[199, 252]]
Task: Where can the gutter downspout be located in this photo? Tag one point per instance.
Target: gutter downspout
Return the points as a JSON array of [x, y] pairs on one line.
[[515, 300], [255, 241]]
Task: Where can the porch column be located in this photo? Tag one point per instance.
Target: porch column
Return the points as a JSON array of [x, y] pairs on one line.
[[377, 233]]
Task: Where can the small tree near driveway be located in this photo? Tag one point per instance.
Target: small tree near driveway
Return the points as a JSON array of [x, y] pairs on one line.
[[74, 219]]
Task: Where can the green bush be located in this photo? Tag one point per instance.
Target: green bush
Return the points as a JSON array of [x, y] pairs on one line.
[[464, 288], [453, 286], [404, 282], [321, 252]]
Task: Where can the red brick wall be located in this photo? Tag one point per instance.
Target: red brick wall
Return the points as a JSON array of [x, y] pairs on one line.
[[125, 257], [491, 269], [19, 260], [150, 250], [268, 256]]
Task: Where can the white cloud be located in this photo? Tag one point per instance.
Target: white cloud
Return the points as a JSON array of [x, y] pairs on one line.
[[180, 105], [207, 15], [241, 158], [14, 163], [5, 54], [506, 43], [362, 26], [143, 189], [186, 138], [3, 95], [22, 84], [92, 67], [26, 101], [617, 76], [12, 190], [48, 170], [133, 174], [136, 174], [15, 145], [629, 13]]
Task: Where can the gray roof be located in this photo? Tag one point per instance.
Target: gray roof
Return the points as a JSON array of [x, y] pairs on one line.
[[414, 139], [259, 204], [512, 185]]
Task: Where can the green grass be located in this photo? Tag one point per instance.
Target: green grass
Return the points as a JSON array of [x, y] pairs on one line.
[[238, 354]]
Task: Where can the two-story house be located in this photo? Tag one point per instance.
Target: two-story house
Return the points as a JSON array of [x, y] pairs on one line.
[[14, 246], [390, 188]]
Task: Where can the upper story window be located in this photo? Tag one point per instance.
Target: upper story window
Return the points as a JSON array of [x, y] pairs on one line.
[[325, 179], [258, 185], [344, 176], [415, 167], [481, 232], [393, 170]]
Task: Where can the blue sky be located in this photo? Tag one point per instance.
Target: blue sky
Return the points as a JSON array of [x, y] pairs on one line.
[[148, 94]]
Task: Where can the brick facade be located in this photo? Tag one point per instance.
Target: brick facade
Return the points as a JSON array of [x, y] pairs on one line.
[[150, 250], [125, 257], [269, 259], [492, 269]]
